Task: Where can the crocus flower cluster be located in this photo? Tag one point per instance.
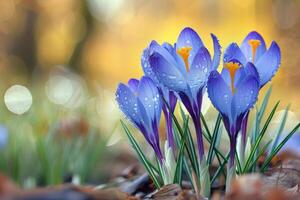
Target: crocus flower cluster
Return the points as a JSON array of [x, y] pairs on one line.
[[184, 71]]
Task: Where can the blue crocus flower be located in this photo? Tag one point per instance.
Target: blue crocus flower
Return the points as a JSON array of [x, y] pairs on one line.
[[141, 103], [233, 93], [184, 69], [253, 49], [168, 95]]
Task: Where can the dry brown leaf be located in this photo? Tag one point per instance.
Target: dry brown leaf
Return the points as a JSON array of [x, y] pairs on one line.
[[172, 192]]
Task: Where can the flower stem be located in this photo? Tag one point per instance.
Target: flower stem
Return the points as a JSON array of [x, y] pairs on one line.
[[231, 165], [200, 144], [170, 135]]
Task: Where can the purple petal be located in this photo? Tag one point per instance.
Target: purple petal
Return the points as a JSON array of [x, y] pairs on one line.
[[179, 61], [219, 93], [146, 65], [150, 98], [167, 73], [245, 96], [155, 47], [268, 63], [233, 52], [133, 84], [247, 49], [128, 103], [199, 71], [249, 69], [227, 78], [217, 52], [189, 38]]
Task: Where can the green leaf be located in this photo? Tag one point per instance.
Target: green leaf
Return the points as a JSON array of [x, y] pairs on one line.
[[281, 127], [260, 113], [141, 156], [239, 166], [206, 127], [209, 139], [214, 140], [261, 152], [219, 139], [261, 135], [205, 179], [264, 103], [185, 162], [277, 149], [190, 146], [178, 170], [190, 143], [218, 171]]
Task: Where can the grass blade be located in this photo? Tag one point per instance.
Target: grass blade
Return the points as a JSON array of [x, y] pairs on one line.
[[214, 140], [239, 166], [208, 138], [261, 152], [277, 149], [178, 170], [141, 156], [264, 103], [190, 146], [261, 135], [259, 114], [220, 169], [206, 127], [281, 127]]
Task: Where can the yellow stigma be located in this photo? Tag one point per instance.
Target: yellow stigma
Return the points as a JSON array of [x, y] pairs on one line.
[[254, 44], [232, 68], [184, 52]]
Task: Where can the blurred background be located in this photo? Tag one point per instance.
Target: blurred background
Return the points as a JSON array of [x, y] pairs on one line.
[[70, 55]]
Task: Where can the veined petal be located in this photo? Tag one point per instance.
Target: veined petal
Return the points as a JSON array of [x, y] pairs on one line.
[[245, 96], [144, 117], [219, 93], [155, 47], [167, 74], [128, 103], [247, 49], [133, 84], [189, 38], [199, 71], [146, 65], [233, 52], [226, 76], [249, 69], [240, 73], [179, 61], [268, 63], [149, 96], [217, 52]]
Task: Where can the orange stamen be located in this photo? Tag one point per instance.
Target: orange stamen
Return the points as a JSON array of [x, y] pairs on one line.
[[184, 52], [254, 44], [232, 68]]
